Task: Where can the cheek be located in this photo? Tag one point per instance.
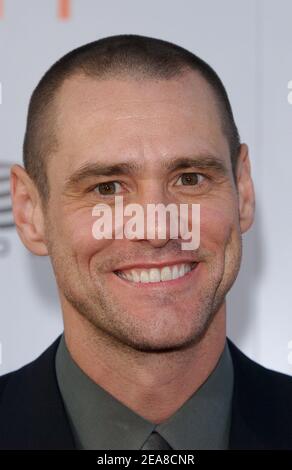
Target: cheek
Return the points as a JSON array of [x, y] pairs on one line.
[[78, 237], [216, 225]]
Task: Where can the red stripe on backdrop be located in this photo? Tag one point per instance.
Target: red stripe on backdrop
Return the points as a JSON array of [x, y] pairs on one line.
[[63, 9]]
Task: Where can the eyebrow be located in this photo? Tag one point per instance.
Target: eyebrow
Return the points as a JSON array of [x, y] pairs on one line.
[[202, 162]]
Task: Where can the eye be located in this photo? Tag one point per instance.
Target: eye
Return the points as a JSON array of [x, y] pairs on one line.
[[107, 188], [190, 179]]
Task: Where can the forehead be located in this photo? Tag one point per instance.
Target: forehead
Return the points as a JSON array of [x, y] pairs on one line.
[[146, 119]]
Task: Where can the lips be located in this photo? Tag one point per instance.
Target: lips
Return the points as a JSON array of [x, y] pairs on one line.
[[155, 274]]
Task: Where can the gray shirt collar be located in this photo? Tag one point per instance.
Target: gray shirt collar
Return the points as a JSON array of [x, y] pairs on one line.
[[101, 422]]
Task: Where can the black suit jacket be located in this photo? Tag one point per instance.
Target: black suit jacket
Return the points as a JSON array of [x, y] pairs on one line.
[[32, 414]]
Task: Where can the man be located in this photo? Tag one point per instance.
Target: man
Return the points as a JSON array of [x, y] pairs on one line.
[[143, 362]]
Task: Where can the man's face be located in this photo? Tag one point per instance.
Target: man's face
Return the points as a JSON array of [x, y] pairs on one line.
[[150, 123]]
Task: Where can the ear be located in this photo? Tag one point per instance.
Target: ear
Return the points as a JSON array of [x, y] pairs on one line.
[[27, 211], [245, 187]]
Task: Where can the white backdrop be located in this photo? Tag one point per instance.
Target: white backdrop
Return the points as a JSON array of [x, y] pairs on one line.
[[249, 43]]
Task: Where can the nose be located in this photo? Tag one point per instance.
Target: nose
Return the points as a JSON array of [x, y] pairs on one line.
[[158, 216]]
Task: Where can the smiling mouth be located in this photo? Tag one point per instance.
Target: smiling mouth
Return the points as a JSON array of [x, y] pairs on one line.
[[146, 276]]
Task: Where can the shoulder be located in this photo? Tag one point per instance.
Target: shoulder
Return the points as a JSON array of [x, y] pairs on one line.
[[32, 414], [247, 369], [262, 405], [28, 371]]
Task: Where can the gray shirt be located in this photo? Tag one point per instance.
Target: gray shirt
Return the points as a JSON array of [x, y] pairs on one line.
[[99, 421]]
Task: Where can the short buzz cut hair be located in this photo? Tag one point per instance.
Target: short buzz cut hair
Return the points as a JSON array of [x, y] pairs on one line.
[[112, 57]]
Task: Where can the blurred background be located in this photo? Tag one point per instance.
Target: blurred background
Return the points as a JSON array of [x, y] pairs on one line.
[[249, 44]]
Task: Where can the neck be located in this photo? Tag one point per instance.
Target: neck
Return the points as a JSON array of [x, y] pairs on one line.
[[153, 385]]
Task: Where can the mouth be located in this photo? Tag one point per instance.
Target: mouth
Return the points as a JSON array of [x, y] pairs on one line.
[[157, 276]]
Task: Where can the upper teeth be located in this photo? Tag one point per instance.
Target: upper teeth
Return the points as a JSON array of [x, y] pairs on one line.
[[167, 273]]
